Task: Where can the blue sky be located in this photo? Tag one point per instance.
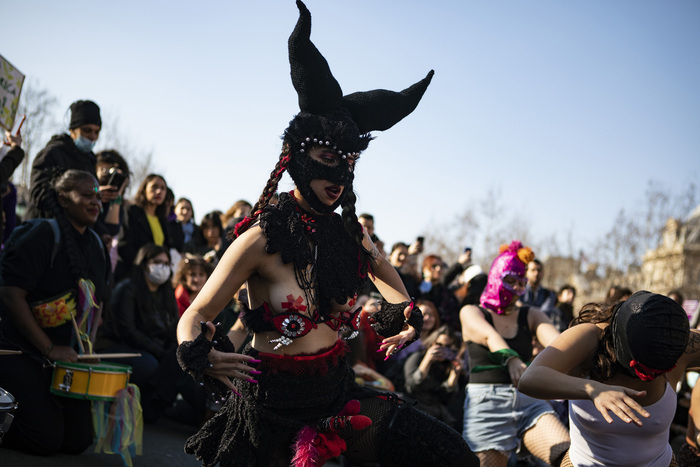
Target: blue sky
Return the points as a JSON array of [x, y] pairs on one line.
[[567, 108]]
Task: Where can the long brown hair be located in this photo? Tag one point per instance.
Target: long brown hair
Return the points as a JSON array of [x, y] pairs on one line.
[[604, 363], [141, 200]]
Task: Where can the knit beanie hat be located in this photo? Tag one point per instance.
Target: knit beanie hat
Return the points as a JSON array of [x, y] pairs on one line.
[[84, 112]]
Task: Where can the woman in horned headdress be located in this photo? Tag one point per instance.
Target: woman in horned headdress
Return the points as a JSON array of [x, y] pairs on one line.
[[291, 394], [618, 365]]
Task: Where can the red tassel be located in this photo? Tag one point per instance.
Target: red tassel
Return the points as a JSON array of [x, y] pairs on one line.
[[646, 373]]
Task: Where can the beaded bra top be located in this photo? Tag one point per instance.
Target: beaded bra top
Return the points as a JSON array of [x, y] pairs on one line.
[[293, 323]]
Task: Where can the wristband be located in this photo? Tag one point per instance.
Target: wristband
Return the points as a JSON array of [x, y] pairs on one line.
[[502, 356], [193, 358]]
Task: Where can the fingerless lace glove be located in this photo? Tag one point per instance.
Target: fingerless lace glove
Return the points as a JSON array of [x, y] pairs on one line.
[[390, 320], [193, 358]]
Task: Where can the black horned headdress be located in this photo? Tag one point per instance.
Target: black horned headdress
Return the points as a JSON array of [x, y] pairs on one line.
[[319, 92], [329, 118]]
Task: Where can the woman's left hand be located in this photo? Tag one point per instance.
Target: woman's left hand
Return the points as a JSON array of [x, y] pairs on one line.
[[618, 400], [226, 365], [393, 344]]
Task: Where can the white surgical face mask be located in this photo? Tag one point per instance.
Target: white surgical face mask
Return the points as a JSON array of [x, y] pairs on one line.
[[83, 144], [158, 274]]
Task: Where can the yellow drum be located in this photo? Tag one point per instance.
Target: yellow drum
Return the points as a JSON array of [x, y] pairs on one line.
[[93, 381]]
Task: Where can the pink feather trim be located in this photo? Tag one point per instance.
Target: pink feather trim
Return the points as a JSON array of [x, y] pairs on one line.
[[306, 454]]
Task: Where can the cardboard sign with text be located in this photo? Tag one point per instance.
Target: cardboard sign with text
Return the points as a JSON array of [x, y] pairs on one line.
[[11, 81]]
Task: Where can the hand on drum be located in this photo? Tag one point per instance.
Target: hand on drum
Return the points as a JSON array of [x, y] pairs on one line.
[[63, 353], [393, 344], [226, 365]]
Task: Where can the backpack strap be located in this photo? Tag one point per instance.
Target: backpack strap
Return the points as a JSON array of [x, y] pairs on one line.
[[56, 238], [99, 242]]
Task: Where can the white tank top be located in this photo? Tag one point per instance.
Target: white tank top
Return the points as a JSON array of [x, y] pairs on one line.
[[596, 442]]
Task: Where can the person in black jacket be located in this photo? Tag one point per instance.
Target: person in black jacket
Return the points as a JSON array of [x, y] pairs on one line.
[[63, 152], [42, 286], [142, 318], [8, 164], [145, 222]]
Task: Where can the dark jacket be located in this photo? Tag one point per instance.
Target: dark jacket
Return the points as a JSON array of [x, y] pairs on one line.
[[8, 164], [140, 318], [27, 264], [431, 391], [446, 303], [59, 155], [134, 233]]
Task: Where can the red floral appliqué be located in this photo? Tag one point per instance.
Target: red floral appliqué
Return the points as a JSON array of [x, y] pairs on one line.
[[294, 305]]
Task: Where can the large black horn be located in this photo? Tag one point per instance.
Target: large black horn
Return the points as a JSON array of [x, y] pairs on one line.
[[381, 109], [316, 87]]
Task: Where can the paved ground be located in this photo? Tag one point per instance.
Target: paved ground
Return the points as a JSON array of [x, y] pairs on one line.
[[162, 446]]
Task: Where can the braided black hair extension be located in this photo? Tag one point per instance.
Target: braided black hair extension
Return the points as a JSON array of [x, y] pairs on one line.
[[267, 193], [354, 228]]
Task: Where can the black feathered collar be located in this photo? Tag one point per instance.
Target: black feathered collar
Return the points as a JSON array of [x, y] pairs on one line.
[[294, 233]]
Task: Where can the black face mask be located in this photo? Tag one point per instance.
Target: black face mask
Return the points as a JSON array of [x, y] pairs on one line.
[[303, 169]]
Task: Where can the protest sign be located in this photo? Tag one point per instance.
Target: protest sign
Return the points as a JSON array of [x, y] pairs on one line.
[[11, 81]]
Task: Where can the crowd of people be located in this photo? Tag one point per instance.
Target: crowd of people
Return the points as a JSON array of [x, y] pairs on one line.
[[292, 335], [147, 262]]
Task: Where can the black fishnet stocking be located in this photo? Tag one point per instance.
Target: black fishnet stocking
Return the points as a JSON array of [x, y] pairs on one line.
[[548, 440], [493, 458]]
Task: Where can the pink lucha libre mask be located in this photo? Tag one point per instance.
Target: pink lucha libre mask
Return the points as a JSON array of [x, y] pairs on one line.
[[498, 295]]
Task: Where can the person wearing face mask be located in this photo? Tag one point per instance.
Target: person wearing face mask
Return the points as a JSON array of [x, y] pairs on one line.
[[290, 395], [72, 150], [498, 333], [142, 318]]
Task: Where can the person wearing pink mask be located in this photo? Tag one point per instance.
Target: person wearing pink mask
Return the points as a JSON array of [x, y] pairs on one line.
[[498, 333]]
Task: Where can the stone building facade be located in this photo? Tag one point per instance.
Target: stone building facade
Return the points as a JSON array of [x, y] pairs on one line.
[[674, 265]]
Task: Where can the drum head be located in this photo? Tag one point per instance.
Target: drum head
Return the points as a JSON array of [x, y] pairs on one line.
[[7, 401], [96, 367]]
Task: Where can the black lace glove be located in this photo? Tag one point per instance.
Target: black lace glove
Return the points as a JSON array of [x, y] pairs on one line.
[[390, 320], [193, 358]]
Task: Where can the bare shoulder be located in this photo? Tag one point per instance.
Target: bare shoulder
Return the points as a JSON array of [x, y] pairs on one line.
[[536, 316], [471, 312], [572, 351], [252, 238], [246, 253], [474, 324], [583, 337]]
